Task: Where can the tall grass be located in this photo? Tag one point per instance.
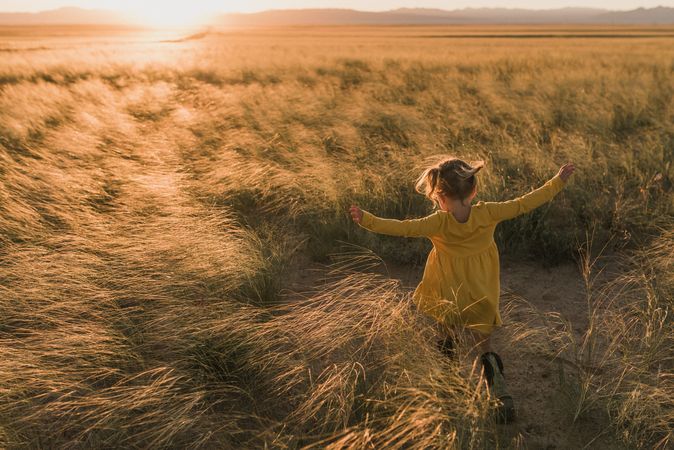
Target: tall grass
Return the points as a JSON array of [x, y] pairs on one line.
[[618, 369], [156, 197]]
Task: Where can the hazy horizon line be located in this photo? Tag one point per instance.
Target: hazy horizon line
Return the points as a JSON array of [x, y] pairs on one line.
[[354, 9]]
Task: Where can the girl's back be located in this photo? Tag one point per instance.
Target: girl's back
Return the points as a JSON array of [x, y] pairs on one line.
[[473, 236]]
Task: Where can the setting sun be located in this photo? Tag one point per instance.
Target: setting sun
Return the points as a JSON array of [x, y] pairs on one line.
[[172, 14]]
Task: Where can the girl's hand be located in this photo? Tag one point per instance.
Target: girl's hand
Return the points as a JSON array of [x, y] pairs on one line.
[[565, 171], [356, 213]]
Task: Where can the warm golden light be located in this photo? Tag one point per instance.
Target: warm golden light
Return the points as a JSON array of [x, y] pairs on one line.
[[176, 14]]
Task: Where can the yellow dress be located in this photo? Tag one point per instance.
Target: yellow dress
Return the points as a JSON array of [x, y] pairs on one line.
[[461, 284]]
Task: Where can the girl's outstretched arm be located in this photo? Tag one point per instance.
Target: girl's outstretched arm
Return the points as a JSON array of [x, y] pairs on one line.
[[426, 226], [507, 210]]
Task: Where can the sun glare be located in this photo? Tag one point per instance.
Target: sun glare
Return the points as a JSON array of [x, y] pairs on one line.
[[177, 14]]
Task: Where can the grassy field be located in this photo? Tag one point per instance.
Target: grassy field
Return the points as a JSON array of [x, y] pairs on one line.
[[158, 194]]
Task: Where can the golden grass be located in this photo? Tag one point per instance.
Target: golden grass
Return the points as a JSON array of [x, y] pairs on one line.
[[620, 367], [154, 196]]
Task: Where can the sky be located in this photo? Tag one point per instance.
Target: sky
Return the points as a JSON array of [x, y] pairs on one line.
[[209, 6]]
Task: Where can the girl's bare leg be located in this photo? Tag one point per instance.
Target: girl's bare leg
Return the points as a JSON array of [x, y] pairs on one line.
[[481, 342]]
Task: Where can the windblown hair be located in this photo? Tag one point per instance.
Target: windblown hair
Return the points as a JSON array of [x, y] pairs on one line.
[[452, 177]]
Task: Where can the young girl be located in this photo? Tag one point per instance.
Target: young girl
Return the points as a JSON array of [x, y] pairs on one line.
[[460, 285]]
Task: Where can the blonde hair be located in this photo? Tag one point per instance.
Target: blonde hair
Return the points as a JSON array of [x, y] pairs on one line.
[[453, 178]]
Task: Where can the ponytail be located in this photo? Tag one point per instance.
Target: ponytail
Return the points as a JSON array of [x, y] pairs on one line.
[[475, 167], [453, 178], [427, 183]]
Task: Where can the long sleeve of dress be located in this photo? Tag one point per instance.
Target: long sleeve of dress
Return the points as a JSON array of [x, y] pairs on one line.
[[512, 208], [426, 226]]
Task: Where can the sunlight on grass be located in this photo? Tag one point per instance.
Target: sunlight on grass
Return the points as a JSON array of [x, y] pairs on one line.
[[157, 200]]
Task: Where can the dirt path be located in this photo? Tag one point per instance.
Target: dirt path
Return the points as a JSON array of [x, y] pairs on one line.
[[543, 420]]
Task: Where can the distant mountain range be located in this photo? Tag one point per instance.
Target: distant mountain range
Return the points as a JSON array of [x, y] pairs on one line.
[[403, 16], [425, 16], [67, 16]]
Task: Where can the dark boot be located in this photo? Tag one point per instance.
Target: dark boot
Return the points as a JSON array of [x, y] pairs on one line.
[[493, 372]]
